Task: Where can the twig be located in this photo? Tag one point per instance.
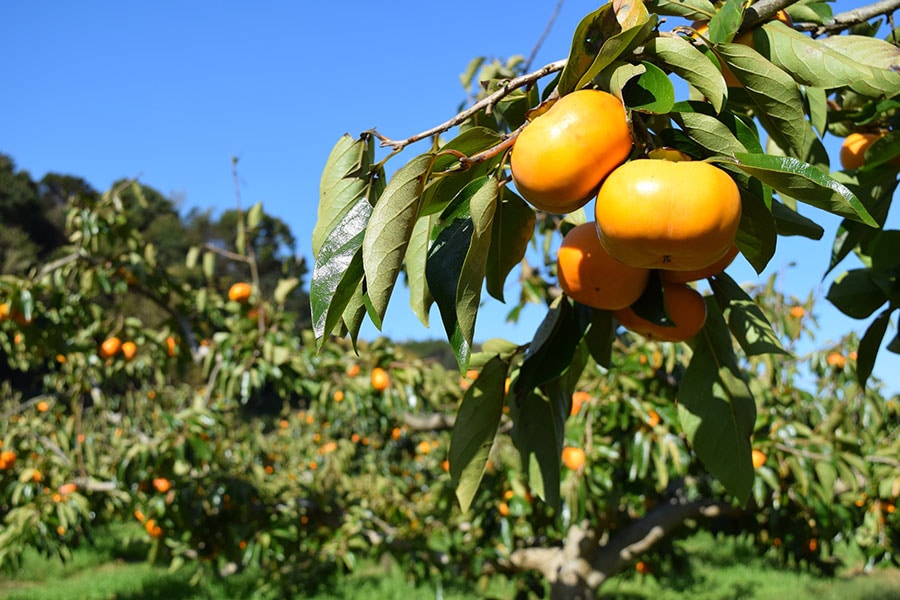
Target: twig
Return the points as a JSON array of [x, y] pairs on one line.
[[762, 11], [511, 85], [848, 19], [544, 35]]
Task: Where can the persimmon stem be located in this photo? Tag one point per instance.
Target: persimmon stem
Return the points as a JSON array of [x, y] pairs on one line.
[[489, 101]]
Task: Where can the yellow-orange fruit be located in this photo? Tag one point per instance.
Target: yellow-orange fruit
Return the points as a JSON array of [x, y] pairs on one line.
[[589, 275], [698, 274], [578, 400], [854, 146], [239, 292], [685, 307], [129, 349], [573, 458], [110, 347], [560, 157], [660, 214], [758, 457], [380, 379]]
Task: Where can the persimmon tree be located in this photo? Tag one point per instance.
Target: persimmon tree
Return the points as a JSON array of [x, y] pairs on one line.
[[451, 221]]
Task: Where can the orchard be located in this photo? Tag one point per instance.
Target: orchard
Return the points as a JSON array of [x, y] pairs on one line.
[[615, 188]]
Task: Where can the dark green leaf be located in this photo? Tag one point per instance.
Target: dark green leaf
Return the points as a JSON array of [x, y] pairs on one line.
[[683, 59], [338, 269], [756, 236], [651, 305], [805, 183], [869, 345], [709, 132], [600, 337], [445, 263], [390, 226], [746, 320], [538, 436], [789, 222], [716, 409], [856, 294], [420, 299], [475, 429], [513, 228]]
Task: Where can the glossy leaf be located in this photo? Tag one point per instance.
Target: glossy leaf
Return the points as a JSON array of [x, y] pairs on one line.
[[343, 182], [513, 228], [389, 229], [789, 222], [683, 59], [716, 409], [869, 345], [756, 236], [882, 56], [805, 183], [600, 337], [475, 428], [747, 323], [650, 92], [708, 131], [856, 294], [420, 299], [538, 434]]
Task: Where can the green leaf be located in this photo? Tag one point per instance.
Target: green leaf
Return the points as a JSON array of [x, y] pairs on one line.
[[683, 59], [882, 56], [804, 182], [725, 23], [856, 294], [338, 269], [746, 320], [650, 92], [553, 346], [651, 305], [809, 61], [254, 216], [756, 236], [716, 409], [389, 229], [420, 299], [284, 289], [600, 38], [708, 131], [482, 205], [789, 222], [773, 94], [600, 337], [476, 426], [538, 433], [869, 345], [513, 228], [817, 107], [344, 181], [700, 10]]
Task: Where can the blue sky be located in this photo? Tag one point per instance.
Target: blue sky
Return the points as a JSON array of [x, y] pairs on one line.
[[169, 91]]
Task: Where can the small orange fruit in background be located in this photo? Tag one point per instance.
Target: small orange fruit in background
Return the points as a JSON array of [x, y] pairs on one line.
[[578, 400], [563, 154], [685, 307], [652, 418], [110, 347], [129, 349], [589, 275], [573, 458], [662, 214], [7, 460], [43, 406], [758, 457], [171, 346], [67, 488], [797, 312], [641, 567], [338, 396], [239, 292], [853, 149], [696, 275], [503, 509], [380, 379], [162, 485], [835, 359], [353, 370], [5, 311], [445, 465]]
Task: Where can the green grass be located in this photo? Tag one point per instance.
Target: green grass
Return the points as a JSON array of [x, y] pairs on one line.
[[715, 569]]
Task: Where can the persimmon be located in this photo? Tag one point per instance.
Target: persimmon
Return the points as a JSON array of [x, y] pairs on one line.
[[240, 292], [696, 275], [563, 154], [573, 458], [836, 360], [797, 312], [43, 406], [661, 214], [129, 349], [578, 400], [758, 457], [110, 347], [171, 346], [162, 485], [854, 146], [588, 274], [380, 379], [7, 460], [685, 307]]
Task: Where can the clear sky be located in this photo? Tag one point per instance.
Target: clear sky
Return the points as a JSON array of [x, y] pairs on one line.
[[169, 91]]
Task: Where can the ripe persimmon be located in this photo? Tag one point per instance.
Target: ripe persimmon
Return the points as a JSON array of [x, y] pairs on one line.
[[675, 215], [589, 275], [696, 275], [578, 400], [854, 146], [110, 347], [129, 349], [758, 457], [380, 379], [573, 458], [240, 292], [562, 155], [171, 346], [685, 307]]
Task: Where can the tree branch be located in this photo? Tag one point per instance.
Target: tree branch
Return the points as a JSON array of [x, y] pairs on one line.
[[511, 85], [847, 19], [762, 11]]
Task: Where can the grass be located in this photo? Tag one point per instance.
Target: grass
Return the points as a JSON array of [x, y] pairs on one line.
[[715, 569]]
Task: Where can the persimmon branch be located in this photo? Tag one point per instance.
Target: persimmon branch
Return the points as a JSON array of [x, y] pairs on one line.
[[511, 85], [847, 19]]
